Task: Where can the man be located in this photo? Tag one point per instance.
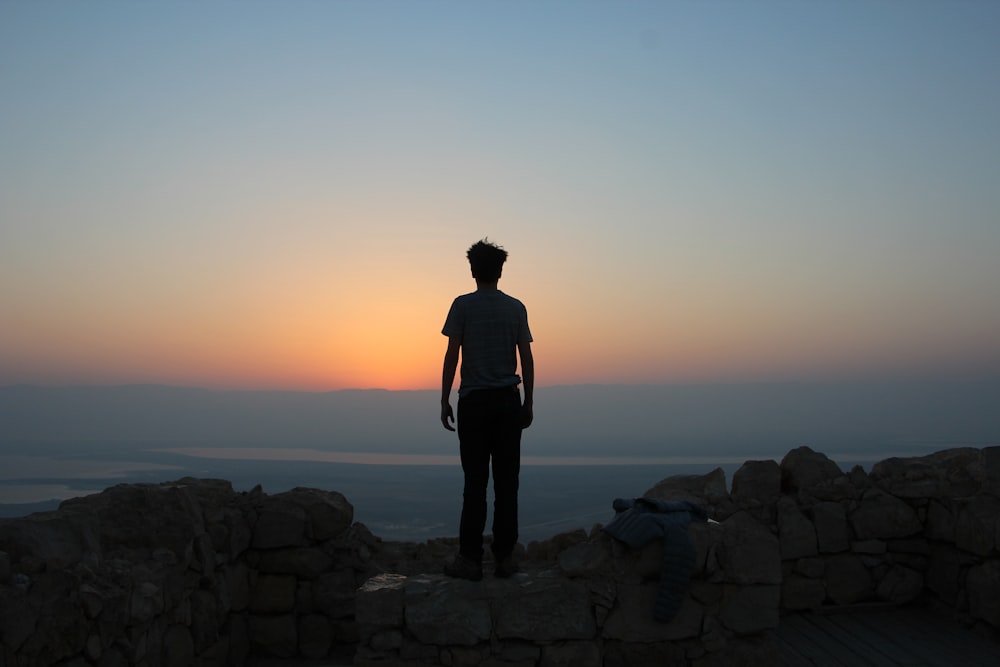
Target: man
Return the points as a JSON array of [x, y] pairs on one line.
[[488, 327]]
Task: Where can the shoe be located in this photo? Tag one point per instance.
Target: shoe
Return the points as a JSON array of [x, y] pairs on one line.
[[506, 568], [464, 568]]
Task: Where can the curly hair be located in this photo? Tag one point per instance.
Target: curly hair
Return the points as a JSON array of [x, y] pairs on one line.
[[486, 260]]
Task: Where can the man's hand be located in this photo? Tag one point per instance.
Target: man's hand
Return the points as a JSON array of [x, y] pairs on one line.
[[447, 416], [527, 415]]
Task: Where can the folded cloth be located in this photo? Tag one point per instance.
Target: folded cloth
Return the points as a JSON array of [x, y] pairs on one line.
[[638, 521]]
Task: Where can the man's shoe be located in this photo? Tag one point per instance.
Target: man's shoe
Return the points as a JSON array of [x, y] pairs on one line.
[[506, 568], [464, 568]]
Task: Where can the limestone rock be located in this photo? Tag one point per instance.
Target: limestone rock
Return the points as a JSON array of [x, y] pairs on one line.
[[799, 592], [708, 489], [952, 472], [984, 592], [632, 619], [882, 516], [757, 483], [751, 609], [542, 609], [900, 585], [803, 469], [796, 533], [750, 553], [832, 530], [444, 611], [847, 579], [978, 525]]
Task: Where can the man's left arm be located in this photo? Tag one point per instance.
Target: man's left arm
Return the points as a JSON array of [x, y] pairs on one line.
[[528, 382]]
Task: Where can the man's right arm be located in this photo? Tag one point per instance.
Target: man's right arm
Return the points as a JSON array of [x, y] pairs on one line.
[[447, 379]]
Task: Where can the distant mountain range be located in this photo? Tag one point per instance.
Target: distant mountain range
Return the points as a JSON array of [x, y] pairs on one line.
[[583, 420]]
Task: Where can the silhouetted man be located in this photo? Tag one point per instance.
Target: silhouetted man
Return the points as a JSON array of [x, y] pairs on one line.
[[488, 327]]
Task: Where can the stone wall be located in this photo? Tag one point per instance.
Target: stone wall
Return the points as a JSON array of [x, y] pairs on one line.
[[193, 573], [802, 534], [179, 574]]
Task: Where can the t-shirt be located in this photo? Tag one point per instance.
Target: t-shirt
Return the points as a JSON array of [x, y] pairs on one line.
[[489, 325]]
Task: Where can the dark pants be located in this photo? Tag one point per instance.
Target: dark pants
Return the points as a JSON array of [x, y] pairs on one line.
[[489, 429]]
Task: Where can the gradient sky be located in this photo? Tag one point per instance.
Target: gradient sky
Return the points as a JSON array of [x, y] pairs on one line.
[[280, 194]]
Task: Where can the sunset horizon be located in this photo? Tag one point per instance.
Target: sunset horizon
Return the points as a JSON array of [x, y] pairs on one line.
[[280, 196]]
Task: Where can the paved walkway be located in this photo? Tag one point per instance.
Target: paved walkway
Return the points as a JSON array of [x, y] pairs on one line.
[[911, 636]]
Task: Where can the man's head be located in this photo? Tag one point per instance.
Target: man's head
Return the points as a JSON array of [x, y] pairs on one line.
[[486, 260]]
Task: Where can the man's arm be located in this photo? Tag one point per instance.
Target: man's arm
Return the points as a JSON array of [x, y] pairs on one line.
[[447, 378], [528, 381]]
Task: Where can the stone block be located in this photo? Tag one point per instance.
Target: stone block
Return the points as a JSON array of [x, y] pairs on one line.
[[279, 524], [832, 530], [314, 635], [882, 516], [304, 563], [900, 585], [275, 635], [333, 592], [632, 618], [328, 512], [796, 533], [748, 610], [273, 593], [802, 593], [750, 553], [379, 601], [571, 654], [756, 483], [940, 521], [584, 559], [983, 584], [443, 611], [978, 524], [542, 609], [847, 579], [802, 469], [178, 647]]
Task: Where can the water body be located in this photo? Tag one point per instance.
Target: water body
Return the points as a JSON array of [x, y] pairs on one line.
[[398, 496]]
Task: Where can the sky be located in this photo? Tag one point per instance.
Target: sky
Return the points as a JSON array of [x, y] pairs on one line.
[[279, 195]]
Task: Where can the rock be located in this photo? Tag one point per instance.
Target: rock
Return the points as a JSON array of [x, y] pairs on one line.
[[883, 516], [900, 585], [751, 609], [832, 529], [978, 525], [329, 513], [803, 469], [709, 489], [756, 483], [632, 619], [796, 533], [443, 611], [304, 563], [587, 558], [984, 592], [280, 523], [273, 594], [274, 635], [380, 601], [542, 609], [847, 579], [952, 472], [940, 522], [571, 654], [750, 554], [799, 592]]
